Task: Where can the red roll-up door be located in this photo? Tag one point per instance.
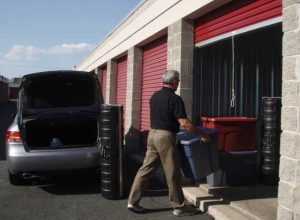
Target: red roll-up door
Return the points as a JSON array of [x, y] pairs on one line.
[[121, 81], [103, 76], [154, 65], [235, 15]]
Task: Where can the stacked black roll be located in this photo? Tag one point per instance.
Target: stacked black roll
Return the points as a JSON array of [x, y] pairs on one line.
[[111, 147], [271, 140]]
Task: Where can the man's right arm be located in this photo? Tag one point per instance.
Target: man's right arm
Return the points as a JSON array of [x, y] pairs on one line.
[[187, 125]]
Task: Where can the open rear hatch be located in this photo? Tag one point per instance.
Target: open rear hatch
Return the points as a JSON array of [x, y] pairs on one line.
[[65, 132], [60, 111]]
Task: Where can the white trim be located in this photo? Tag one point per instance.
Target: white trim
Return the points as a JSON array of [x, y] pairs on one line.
[[118, 27], [150, 18], [240, 31]]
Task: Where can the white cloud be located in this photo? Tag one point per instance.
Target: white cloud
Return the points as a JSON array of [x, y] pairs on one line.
[[21, 52], [27, 53], [70, 48]]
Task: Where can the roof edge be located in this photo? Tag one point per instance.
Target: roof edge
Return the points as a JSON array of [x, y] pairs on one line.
[[116, 27]]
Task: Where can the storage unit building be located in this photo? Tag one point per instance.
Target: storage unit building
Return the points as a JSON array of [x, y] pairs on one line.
[[102, 79], [236, 61], [121, 84], [154, 65], [230, 54], [3, 89]]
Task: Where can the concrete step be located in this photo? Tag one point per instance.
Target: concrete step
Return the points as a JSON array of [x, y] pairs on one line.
[[234, 203], [258, 201], [259, 209], [235, 193], [200, 198], [215, 206], [212, 189], [227, 212]]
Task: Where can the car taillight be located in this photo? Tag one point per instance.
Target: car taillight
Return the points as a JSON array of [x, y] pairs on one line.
[[13, 136]]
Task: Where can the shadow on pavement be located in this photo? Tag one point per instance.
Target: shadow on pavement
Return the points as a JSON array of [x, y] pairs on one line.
[[72, 189], [157, 210], [71, 184], [7, 114]]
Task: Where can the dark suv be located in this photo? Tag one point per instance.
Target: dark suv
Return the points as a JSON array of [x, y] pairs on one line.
[[57, 124]]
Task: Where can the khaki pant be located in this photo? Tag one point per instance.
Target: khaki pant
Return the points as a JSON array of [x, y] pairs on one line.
[[160, 146]]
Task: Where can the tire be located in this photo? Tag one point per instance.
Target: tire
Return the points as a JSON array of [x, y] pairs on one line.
[[16, 179]]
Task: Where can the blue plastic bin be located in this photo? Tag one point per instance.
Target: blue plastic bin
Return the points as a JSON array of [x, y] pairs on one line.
[[202, 158]]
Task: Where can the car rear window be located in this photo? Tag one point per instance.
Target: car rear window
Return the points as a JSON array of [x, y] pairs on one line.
[[59, 91]]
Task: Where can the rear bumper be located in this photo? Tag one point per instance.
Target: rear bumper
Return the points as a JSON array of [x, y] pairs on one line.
[[51, 160]]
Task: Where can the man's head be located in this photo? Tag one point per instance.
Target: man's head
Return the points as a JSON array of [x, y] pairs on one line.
[[171, 79]]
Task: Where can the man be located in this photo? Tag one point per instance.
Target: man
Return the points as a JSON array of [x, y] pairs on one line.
[[167, 114]]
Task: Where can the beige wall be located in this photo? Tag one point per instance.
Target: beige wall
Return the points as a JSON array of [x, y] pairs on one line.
[[180, 58], [289, 186]]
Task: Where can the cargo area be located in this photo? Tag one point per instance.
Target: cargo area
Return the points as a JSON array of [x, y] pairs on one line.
[[59, 110], [60, 133]]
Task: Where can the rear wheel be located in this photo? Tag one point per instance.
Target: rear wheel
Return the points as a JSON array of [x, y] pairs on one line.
[[16, 179]]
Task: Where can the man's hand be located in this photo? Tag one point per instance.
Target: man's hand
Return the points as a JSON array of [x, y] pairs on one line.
[[205, 138], [187, 125]]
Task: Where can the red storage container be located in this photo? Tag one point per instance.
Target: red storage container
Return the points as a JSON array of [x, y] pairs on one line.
[[235, 133]]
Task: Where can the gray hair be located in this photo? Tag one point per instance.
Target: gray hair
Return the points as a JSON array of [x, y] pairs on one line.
[[170, 76]]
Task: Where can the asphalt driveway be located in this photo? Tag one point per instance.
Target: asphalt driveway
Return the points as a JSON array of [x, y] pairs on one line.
[[72, 197]]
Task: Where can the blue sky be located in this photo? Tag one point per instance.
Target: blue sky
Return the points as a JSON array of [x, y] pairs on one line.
[[40, 35]]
